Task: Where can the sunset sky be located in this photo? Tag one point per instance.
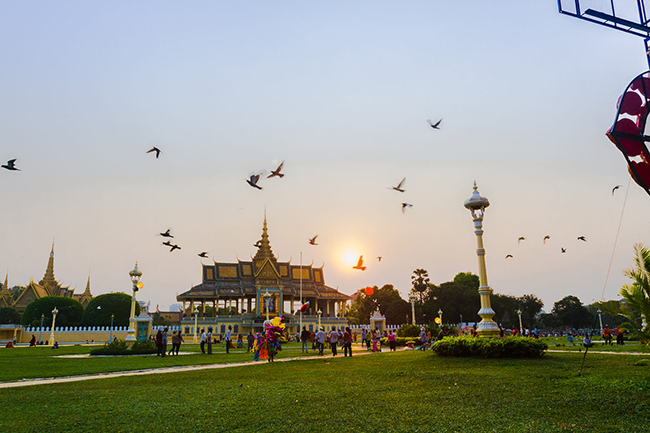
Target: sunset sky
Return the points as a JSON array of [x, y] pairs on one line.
[[341, 91]]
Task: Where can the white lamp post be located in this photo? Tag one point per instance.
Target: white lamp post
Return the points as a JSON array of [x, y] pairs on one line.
[[54, 313], [600, 318], [267, 301], [135, 275], [476, 205], [521, 328], [412, 298], [196, 325], [111, 336], [440, 315], [320, 313]]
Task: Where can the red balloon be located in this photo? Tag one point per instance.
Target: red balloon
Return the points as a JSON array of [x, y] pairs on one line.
[[369, 291]]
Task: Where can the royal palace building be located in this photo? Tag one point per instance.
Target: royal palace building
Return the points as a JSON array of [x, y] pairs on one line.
[[242, 294]]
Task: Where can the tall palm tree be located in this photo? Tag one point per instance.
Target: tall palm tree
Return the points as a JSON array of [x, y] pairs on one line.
[[420, 281], [636, 305]]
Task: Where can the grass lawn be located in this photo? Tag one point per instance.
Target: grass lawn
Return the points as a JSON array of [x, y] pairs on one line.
[[406, 391]]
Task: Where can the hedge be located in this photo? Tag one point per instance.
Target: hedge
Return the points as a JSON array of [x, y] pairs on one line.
[[509, 347], [119, 347]]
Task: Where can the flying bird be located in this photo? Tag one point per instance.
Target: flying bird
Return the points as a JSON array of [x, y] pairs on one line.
[[276, 172], [546, 238], [253, 181], [509, 256], [582, 238], [360, 264], [174, 247], [203, 254], [155, 149], [563, 250], [166, 234], [379, 258], [11, 165], [167, 243], [615, 188], [405, 205], [521, 239], [258, 244], [312, 241], [435, 125], [399, 186]]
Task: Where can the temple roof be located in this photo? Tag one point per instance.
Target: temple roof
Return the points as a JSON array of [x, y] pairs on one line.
[[264, 250]]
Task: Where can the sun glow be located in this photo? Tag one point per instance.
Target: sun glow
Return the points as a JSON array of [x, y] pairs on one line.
[[350, 258]]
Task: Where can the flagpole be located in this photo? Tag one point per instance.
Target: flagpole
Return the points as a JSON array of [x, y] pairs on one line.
[[300, 326]]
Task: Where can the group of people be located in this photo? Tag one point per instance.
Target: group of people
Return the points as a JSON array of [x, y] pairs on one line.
[[162, 339], [207, 340], [334, 338]]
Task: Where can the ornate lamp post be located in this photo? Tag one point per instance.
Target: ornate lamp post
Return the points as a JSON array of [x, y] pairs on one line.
[[135, 275], [54, 313], [267, 301], [412, 298], [40, 330], [440, 315], [476, 205], [600, 318], [196, 325], [111, 336], [521, 328], [320, 313]]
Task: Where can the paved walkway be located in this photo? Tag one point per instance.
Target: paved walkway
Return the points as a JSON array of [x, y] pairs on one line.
[[65, 379]]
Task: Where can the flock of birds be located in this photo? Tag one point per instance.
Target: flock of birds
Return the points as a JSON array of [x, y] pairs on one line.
[[547, 237]]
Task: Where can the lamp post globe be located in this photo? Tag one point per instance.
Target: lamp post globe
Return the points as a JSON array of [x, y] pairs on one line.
[[476, 204], [54, 313], [135, 275]]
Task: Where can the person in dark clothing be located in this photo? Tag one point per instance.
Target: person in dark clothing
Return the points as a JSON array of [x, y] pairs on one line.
[[209, 340], [304, 337], [159, 345], [250, 340], [347, 342]]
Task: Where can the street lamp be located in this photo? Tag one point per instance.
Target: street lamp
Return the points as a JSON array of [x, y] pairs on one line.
[[319, 314], [54, 313], [111, 335], [135, 275], [521, 328], [476, 205], [600, 318], [440, 315], [412, 298], [267, 301], [196, 325], [40, 330]]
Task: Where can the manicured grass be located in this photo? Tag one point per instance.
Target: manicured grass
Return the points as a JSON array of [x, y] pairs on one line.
[[407, 391], [561, 343]]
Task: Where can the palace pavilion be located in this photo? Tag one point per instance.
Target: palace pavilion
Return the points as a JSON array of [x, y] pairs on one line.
[[243, 294]]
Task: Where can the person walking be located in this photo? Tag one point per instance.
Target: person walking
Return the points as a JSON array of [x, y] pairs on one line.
[[171, 351], [228, 337], [158, 342], [320, 340], [334, 338], [368, 339], [177, 339], [250, 339], [32, 342], [392, 341], [347, 341], [607, 335], [203, 340], [208, 339], [164, 342], [363, 337], [304, 338], [375, 342]]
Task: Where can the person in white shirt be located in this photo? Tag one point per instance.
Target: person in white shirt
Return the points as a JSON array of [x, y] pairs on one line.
[[334, 338], [203, 338], [320, 340], [228, 335]]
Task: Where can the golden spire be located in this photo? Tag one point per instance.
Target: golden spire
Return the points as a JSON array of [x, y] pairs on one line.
[[264, 251], [87, 291], [5, 287]]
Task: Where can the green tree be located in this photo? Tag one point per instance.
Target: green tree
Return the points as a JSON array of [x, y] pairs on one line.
[[100, 308], [570, 312], [420, 282], [398, 312], [362, 308], [455, 298], [70, 311], [636, 296], [9, 315]]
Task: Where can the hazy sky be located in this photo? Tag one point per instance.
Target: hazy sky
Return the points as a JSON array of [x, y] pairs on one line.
[[341, 92]]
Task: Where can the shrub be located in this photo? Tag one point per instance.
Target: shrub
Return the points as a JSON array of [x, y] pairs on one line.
[[408, 331], [119, 347], [9, 315], [100, 308], [511, 347], [401, 341], [144, 345]]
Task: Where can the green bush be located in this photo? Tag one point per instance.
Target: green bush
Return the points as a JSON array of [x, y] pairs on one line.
[[401, 341], [9, 315], [116, 345], [69, 313], [144, 345], [119, 347], [510, 347], [408, 331], [100, 308]]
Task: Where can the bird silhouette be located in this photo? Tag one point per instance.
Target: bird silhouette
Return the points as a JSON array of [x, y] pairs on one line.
[[405, 205], [257, 244], [155, 149], [312, 241], [253, 181], [615, 188], [563, 250], [167, 234], [521, 239], [203, 254], [582, 238], [379, 259], [360, 264], [399, 186], [509, 256], [167, 243], [546, 238], [276, 172], [435, 125], [174, 247], [11, 165]]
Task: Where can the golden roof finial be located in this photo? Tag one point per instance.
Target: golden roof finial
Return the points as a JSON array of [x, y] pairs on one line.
[[264, 251]]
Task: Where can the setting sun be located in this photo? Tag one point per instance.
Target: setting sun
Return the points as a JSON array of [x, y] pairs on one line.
[[350, 258]]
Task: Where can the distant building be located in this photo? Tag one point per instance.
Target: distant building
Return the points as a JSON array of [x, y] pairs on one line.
[[48, 286], [239, 294]]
